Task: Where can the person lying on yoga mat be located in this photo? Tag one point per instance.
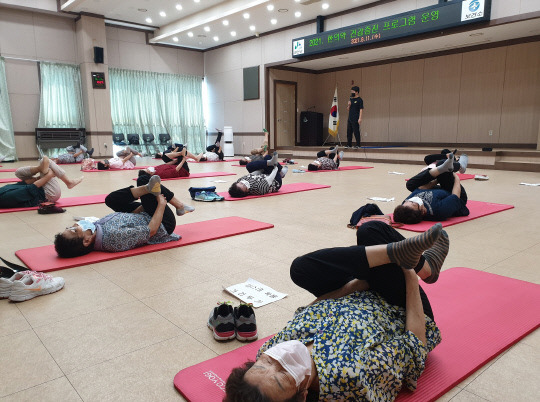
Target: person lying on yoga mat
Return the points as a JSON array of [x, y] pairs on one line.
[[133, 224], [436, 195], [257, 154], [327, 159], [125, 159], [213, 152], [38, 184], [176, 155], [173, 170], [352, 343], [460, 162], [265, 176], [74, 154]]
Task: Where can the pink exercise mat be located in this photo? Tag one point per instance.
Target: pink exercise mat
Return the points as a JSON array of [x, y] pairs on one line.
[[477, 210], [201, 175], [45, 259], [7, 170], [340, 169], [225, 160], [114, 170], [479, 314], [65, 202], [285, 189]]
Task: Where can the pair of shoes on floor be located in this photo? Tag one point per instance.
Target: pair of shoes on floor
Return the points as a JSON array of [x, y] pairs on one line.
[[228, 323], [208, 196], [26, 285], [48, 207]]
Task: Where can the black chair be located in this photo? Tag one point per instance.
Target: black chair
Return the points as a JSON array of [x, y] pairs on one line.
[[119, 139], [148, 138], [164, 139], [133, 139]]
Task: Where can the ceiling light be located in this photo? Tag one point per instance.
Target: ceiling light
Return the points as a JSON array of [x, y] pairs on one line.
[[216, 38], [246, 16], [298, 1], [225, 22], [190, 34], [297, 14], [207, 28], [175, 39], [149, 20], [252, 27], [179, 7], [162, 13], [233, 33], [282, 10], [273, 21], [142, 10], [325, 6], [270, 7], [196, 1]]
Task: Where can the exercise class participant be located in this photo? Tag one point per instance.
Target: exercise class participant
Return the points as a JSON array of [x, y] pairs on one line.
[[327, 159]]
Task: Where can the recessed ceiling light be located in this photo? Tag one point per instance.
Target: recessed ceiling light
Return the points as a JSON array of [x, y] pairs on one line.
[[282, 10], [179, 7], [225, 22], [233, 33], [252, 27], [216, 38], [246, 16], [270, 7], [162, 13], [325, 6], [190, 34], [297, 14], [196, 1], [273, 21], [207, 28], [175, 39], [297, 1], [149, 20], [142, 10]]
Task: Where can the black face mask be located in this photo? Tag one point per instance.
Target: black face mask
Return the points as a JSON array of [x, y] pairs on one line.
[[353, 95]]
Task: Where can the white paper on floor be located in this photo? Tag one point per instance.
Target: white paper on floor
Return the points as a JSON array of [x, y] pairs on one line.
[[254, 292], [219, 181], [381, 199], [530, 184], [395, 173]]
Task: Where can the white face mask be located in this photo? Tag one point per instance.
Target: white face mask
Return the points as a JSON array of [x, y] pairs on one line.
[[245, 183], [416, 200], [294, 357], [86, 224]]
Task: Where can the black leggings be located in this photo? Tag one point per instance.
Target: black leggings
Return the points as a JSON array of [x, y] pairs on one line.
[[262, 165], [123, 201], [329, 269], [322, 154]]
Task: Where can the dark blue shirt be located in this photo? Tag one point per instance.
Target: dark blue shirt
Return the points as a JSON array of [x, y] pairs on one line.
[[440, 204]]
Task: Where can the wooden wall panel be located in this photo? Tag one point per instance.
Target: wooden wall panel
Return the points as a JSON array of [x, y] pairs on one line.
[[521, 95], [440, 99], [406, 80], [481, 89], [375, 92]]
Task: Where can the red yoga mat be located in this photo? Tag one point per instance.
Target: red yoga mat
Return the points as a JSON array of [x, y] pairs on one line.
[[462, 176], [10, 180], [341, 169], [479, 314], [7, 170], [285, 189], [477, 209], [65, 202], [201, 175], [225, 160], [45, 259], [282, 164], [114, 170]]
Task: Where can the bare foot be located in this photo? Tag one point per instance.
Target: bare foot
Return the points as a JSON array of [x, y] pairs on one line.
[[74, 182], [198, 158], [44, 165]]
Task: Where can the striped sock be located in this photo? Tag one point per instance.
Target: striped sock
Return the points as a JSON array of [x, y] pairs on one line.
[[406, 253], [435, 256]]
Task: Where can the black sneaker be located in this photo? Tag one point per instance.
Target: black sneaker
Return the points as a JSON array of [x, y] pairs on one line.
[[221, 322], [90, 152], [245, 323]]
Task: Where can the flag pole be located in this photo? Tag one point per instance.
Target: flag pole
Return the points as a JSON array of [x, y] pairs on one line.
[[333, 119]]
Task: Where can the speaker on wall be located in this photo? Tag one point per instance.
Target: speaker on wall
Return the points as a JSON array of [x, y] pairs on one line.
[[98, 55]]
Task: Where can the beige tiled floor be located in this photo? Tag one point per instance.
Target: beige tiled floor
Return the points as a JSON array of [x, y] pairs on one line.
[[120, 330]]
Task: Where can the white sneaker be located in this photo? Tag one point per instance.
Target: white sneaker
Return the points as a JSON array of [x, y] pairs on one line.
[[33, 285], [7, 283]]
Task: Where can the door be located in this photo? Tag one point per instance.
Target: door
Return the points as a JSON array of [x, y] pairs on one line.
[[285, 113]]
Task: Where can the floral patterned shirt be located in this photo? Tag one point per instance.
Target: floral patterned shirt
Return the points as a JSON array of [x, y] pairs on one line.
[[327, 164], [122, 231], [360, 347]]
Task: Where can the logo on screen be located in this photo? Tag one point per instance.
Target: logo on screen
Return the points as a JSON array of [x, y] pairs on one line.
[[475, 5], [472, 9], [298, 47]]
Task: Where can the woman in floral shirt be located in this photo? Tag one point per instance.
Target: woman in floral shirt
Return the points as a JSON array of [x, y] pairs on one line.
[[359, 345]]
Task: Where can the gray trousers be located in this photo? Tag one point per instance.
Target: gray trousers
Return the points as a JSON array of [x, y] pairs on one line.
[[52, 189], [125, 152]]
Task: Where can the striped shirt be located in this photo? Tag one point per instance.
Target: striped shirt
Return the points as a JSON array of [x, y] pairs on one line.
[[258, 184]]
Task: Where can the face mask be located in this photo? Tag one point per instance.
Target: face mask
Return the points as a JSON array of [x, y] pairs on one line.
[[294, 357], [352, 95], [85, 225], [416, 200], [245, 183]]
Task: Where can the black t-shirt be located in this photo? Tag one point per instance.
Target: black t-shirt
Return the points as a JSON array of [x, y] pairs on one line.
[[354, 110]]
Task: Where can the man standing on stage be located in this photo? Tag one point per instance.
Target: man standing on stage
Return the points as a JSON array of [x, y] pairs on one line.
[[355, 108]]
